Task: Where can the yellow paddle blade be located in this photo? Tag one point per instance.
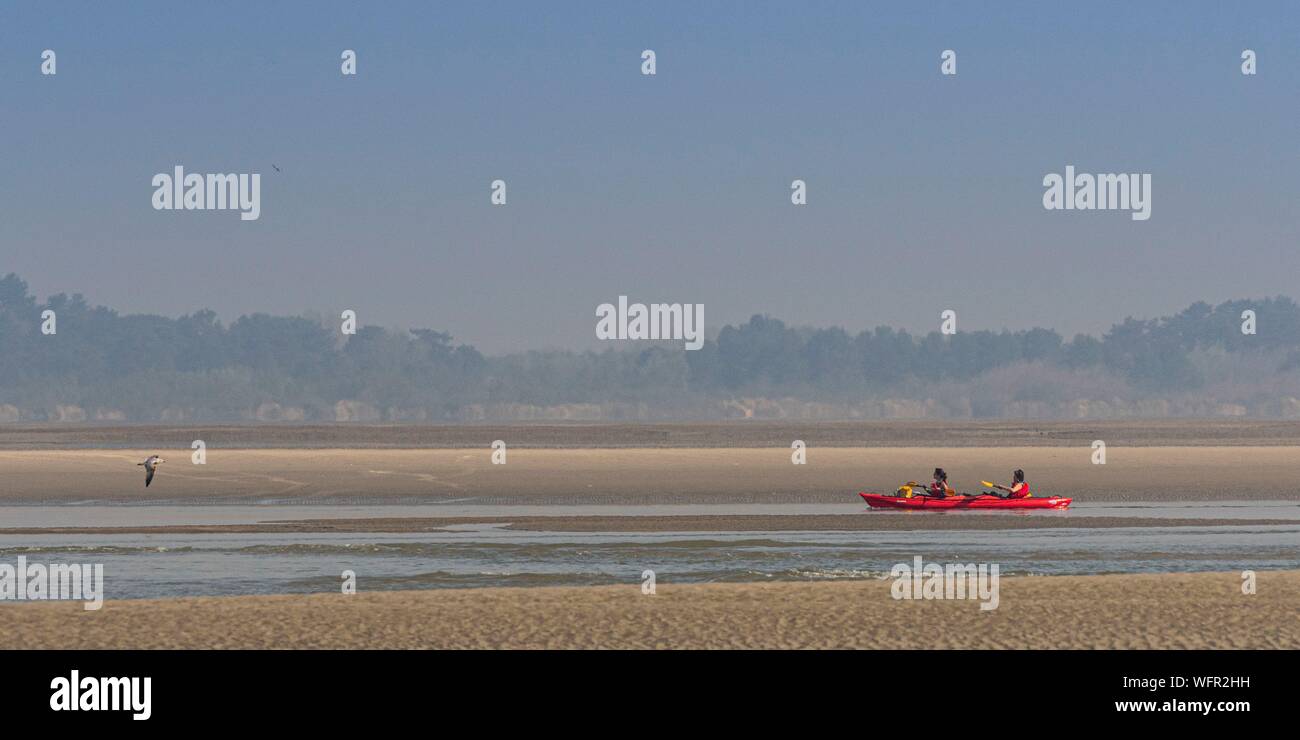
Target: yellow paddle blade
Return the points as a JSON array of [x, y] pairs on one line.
[[990, 485]]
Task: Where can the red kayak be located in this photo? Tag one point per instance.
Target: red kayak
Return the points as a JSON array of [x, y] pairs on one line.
[[983, 501]]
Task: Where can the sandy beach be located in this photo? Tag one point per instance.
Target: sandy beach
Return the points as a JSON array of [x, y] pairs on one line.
[[1162, 611], [669, 475], [596, 504], [751, 433]]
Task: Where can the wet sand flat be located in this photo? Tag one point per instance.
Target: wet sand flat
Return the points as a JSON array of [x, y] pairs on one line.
[[660, 475], [859, 522], [1162, 611]]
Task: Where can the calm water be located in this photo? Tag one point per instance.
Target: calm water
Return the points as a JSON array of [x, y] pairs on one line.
[[141, 566]]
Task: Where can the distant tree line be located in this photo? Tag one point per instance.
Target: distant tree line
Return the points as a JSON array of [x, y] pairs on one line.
[[136, 366], [1153, 355]]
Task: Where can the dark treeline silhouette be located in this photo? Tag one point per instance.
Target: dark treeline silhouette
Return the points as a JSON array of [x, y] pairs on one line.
[[100, 365]]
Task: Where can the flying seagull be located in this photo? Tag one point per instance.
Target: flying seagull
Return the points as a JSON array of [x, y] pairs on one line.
[[277, 169], [150, 464]]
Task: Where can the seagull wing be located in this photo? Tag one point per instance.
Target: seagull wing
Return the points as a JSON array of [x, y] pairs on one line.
[[148, 476]]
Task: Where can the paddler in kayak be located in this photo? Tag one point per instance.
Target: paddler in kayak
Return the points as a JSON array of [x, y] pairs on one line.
[[1019, 488], [939, 487]]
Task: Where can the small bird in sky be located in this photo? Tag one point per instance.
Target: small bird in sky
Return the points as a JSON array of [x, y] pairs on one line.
[[277, 169], [150, 464]]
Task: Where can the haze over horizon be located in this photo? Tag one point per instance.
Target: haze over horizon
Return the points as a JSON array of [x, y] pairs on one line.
[[711, 331], [924, 191]]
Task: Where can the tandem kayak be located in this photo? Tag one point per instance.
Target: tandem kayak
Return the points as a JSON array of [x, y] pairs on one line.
[[983, 501]]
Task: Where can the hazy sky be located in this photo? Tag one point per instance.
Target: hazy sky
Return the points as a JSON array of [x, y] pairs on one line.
[[925, 191]]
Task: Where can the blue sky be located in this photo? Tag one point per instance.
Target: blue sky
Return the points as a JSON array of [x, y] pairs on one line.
[[924, 190]]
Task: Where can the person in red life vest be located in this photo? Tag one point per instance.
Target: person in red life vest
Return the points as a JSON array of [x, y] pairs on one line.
[[939, 487], [1019, 488]]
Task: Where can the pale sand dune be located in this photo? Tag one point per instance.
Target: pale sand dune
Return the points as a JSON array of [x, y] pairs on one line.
[[639, 475], [1179, 611]]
